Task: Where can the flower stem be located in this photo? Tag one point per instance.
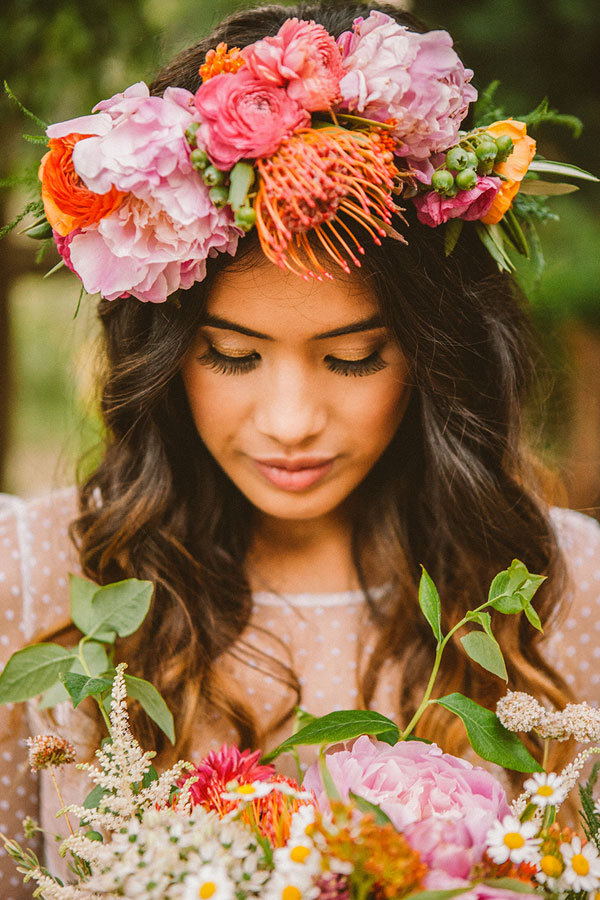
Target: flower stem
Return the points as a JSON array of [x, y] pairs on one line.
[[62, 802], [546, 750]]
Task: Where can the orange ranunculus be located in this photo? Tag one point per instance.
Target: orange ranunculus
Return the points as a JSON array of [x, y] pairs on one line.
[[513, 169], [68, 203]]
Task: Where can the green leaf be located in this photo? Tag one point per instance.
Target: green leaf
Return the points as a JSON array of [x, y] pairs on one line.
[[32, 671], [379, 816], [491, 237], [483, 649], [55, 694], [149, 777], [546, 188], [530, 586], [543, 113], [120, 608], [241, 179], [341, 725], [485, 110], [302, 718], [92, 801], [532, 617], [510, 884], [429, 601], [514, 588], [558, 168], [451, 234], [440, 895], [152, 703], [482, 618], [82, 686], [513, 226], [95, 658], [82, 593], [488, 737], [328, 782]]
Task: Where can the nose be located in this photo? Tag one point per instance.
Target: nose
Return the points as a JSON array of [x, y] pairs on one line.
[[290, 409]]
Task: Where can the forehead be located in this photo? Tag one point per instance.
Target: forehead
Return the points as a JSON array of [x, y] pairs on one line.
[[278, 302]]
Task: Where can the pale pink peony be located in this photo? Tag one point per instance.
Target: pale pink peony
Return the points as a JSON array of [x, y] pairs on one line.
[[245, 118], [412, 781], [433, 208], [145, 151], [417, 79], [141, 250], [303, 57]]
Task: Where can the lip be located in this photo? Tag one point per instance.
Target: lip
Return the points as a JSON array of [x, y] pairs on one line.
[[295, 474]]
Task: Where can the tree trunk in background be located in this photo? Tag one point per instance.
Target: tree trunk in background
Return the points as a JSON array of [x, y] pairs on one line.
[[582, 462]]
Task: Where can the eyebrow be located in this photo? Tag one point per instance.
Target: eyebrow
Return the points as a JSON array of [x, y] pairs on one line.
[[353, 328]]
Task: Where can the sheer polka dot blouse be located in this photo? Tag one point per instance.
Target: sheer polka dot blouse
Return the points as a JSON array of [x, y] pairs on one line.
[[315, 636]]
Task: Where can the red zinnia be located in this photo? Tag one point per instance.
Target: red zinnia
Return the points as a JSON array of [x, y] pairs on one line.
[[219, 768]]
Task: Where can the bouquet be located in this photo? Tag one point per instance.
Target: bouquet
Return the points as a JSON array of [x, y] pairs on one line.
[[387, 816]]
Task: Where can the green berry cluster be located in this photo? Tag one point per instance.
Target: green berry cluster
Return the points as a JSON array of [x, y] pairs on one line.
[[224, 187], [476, 154]]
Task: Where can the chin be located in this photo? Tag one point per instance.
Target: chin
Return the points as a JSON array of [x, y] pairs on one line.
[[295, 506]]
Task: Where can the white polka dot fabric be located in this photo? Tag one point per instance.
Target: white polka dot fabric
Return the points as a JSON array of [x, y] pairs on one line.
[[317, 636]]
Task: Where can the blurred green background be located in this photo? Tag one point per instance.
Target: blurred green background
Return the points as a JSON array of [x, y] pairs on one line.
[[62, 57]]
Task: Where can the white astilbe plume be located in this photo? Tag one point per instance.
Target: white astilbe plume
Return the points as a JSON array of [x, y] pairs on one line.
[[52, 890], [124, 764], [570, 774]]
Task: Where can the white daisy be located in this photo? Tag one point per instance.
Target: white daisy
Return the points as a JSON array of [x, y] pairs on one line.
[[582, 866], [210, 883], [546, 789], [248, 792], [514, 840], [550, 871]]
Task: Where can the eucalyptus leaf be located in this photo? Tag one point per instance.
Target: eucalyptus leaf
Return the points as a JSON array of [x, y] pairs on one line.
[[429, 601], [483, 649], [558, 168], [32, 671], [82, 686], [365, 806], [341, 725], [488, 737], [546, 188], [120, 607], [152, 703], [95, 658]]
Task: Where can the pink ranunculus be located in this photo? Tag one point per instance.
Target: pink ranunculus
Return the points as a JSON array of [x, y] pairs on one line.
[[413, 781], [62, 245], [433, 208], [145, 151], [141, 250], [245, 118], [302, 56], [417, 79]]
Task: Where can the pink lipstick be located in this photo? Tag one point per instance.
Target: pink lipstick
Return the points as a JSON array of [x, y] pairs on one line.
[[295, 474]]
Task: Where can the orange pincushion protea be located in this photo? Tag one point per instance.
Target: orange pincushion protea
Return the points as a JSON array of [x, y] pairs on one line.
[[221, 60], [314, 176], [68, 203], [273, 814]]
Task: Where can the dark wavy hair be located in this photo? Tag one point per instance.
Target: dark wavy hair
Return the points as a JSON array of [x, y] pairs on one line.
[[453, 491]]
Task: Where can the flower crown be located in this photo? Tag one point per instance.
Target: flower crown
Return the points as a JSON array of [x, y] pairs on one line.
[[295, 134]]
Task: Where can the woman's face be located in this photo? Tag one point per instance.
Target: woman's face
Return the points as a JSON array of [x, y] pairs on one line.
[[295, 387]]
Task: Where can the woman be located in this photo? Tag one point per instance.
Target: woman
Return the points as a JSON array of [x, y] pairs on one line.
[[282, 455]]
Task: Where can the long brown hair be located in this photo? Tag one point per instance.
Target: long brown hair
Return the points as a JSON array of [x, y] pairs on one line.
[[453, 491]]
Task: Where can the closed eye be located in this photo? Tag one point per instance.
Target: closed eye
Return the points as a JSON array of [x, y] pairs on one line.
[[239, 365]]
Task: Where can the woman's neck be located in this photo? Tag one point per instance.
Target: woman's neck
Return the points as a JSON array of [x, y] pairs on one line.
[[313, 556]]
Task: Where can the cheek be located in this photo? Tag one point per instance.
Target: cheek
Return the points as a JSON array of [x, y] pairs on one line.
[[375, 419], [217, 407]]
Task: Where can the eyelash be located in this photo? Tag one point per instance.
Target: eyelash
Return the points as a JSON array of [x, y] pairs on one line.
[[231, 365]]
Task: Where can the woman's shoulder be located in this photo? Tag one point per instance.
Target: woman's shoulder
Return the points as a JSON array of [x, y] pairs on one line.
[[574, 644], [36, 557]]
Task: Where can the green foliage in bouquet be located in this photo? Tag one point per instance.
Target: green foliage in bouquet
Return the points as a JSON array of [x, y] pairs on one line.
[[87, 670]]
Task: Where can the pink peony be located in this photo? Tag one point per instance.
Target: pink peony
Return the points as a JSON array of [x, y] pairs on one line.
[[62, 245], [302, 56], [244, 117], [433, 208], [143, 251], [417, 79], [145, 151], [413, 781]]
